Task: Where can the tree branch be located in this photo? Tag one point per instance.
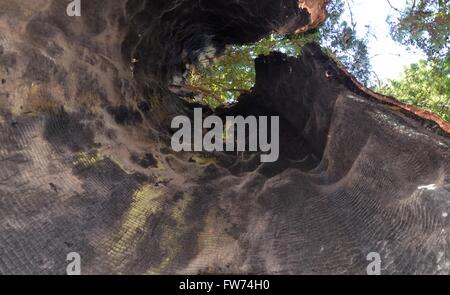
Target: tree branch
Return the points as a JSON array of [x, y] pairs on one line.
[[351, 15], [393, 7]]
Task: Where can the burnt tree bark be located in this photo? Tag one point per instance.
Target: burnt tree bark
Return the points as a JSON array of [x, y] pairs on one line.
[[86, 164]]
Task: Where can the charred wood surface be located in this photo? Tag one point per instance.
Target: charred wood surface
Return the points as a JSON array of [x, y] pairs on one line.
[[86, 164]]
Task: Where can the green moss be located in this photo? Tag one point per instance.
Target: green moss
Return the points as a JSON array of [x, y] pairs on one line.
[[203, 161], [146, 202], [84, 159], [170, 239]]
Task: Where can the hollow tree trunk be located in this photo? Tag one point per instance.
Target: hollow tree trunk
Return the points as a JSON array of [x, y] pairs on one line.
[[86, 164]]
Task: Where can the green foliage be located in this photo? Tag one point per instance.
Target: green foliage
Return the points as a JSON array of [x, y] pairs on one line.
[[233, 73], [340, 38], [423, 24], [426, 85]]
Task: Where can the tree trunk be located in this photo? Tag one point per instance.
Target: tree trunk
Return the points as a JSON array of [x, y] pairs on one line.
[[86, 164]]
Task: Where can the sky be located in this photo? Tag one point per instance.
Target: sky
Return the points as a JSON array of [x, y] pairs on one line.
[[388, 58]]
